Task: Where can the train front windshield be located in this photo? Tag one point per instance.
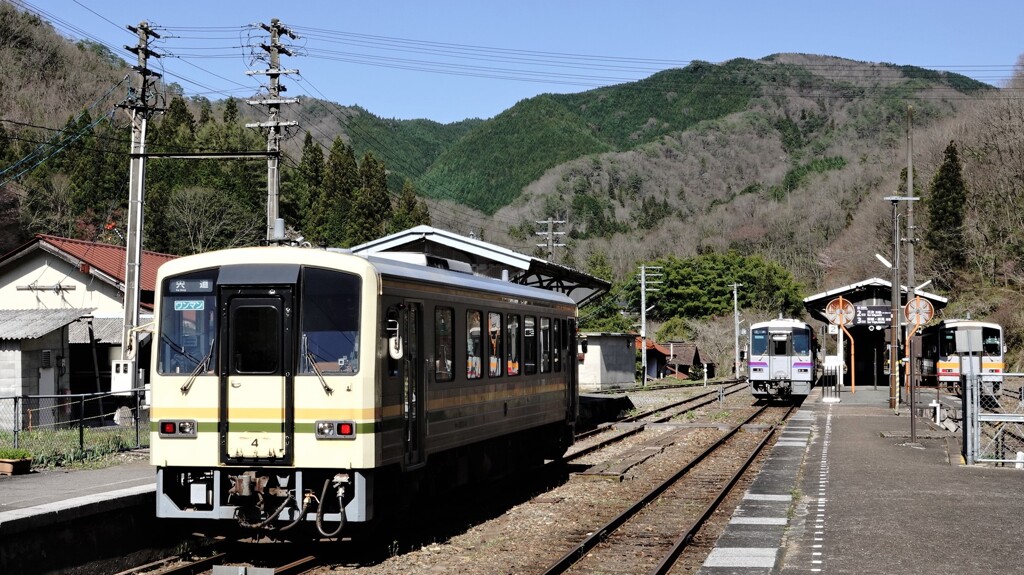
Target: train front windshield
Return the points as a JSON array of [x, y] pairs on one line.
[[801, 341], [797, 341], [188, 325], [329, 323], [759, 341], [987, 340]]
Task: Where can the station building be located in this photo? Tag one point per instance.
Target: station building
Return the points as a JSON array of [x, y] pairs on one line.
[[868, 325]]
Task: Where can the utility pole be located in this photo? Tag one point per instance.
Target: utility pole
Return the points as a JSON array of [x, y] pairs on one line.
[[911, 237], [551, 233], [274, 124], [736, 327], [139, 109], [894, 353], [643, 314]]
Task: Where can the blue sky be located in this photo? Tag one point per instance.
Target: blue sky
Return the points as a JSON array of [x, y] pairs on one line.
[[450, 60]]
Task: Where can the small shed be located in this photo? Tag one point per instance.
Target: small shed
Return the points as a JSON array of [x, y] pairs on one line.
[[657, 358], [686, 360], [609, 363]]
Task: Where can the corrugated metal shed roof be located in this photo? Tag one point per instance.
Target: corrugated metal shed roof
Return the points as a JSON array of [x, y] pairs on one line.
[[32, 323], [104, 330]]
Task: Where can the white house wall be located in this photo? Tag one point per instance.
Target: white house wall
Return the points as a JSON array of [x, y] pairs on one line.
[[610, 363], [44, 269], [21, 371]]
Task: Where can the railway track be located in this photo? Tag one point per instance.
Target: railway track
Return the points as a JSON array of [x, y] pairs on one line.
[[287, 562], [608, 471], [596, 439], [650, 535]]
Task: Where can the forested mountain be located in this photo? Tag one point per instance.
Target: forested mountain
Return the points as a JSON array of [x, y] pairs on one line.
[[747, 168]]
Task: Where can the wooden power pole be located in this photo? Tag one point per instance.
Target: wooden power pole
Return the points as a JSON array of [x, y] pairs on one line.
[[139, 109], [274, 124]]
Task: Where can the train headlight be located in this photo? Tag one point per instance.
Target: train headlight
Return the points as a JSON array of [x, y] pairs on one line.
[[183, 428], [335, 430]]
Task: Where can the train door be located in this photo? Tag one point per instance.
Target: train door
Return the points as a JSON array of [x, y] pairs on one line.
[[413, 388], [571, 364], [779, 355], [256, 377]]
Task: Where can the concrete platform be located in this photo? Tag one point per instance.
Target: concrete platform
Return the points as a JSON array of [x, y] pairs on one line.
[[867, 500]]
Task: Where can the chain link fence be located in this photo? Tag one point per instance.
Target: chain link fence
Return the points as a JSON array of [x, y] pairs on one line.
[[995, 420], [60, 429]]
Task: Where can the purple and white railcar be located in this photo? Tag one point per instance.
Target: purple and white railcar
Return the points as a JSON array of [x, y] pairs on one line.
[[783, 359]]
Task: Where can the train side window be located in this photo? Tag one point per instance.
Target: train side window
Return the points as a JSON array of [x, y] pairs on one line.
[[474, 345], [530, 345], [512, 367], [443, 338], [494, 344], [392, 315], [556, 336], [545, 345]]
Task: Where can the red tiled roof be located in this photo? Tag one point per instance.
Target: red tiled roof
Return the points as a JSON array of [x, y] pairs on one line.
[[109, 259], [652, 345]]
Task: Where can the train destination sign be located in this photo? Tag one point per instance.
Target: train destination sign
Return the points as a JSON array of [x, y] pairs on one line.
[[872, 315]]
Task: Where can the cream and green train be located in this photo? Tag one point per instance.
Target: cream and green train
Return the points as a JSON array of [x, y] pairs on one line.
[[299, 387]]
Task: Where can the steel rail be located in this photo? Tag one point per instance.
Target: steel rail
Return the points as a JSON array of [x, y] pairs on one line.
[[632, 418], [668, 561], [579, 551]]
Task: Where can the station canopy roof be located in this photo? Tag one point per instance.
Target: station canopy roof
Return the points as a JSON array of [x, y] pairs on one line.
[[874, 292], [489, 260]]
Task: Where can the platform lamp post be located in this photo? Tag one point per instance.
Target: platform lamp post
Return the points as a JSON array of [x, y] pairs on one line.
[[736, 329], [894, 347]]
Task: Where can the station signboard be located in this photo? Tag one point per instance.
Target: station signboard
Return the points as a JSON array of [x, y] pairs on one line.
[[873, 315]]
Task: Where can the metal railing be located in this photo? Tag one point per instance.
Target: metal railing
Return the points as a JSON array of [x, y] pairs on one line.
[[994, 420], [59, 429], [831, 385]]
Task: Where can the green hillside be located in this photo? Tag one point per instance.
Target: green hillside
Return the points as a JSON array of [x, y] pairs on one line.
[[411, 146], [492, 164], [487, 168]]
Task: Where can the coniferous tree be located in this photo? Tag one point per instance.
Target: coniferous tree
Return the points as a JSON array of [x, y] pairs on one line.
[[230, 111], [302, 185], [371, 207], [205, 110], [946, 203], [409, 211], [330, 208]]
